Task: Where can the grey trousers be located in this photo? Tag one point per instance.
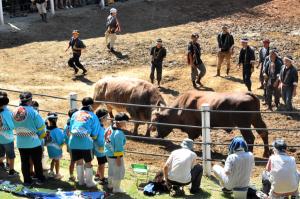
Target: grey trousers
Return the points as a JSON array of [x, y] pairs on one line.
[[198, 71]]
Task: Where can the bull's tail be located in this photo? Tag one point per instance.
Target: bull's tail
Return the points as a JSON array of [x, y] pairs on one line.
[[258, 122]]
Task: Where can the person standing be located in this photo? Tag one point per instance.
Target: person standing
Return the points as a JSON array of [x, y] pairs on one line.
[[288, 82], [247, 59], [115, 141], [41, 5], [225, 43], [6, 136], [30, 129], [272, 67], [112, 28], [77, 46], [84, 129], [195, 61], [158, 54], [281, 177], [182, 169], [238, 166], [263, 54]]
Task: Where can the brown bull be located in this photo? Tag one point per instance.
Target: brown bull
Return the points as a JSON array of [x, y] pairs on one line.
[[128, 90], [217, 101]]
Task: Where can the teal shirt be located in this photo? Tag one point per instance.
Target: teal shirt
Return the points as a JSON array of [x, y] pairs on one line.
[[6, 126], [99, 143], [84, 129], [115, 141], [29, 127]]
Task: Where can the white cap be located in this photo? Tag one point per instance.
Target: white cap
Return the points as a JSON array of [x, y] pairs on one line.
[[113, 10]]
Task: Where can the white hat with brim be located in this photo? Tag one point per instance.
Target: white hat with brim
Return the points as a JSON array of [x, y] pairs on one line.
[[188, 144], [290, 58], [113, 10]]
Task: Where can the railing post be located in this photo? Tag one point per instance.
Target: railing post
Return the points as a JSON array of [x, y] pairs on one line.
[[206, 149], [73, 102], [1, 14], [52, 7]]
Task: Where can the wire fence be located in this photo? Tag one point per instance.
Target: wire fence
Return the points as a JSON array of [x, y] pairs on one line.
[[174, 125]]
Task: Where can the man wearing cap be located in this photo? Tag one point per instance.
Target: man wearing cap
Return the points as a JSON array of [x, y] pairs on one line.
[[194, 60], [114, 148], [84, 129], [182, 169], [247, 59], [288, 82], [225, 43], [77, 46], [238, 166], [29, 129], [281, 177], [6, 135], [112, 27], [263, 54], [271, 70], [158, 54]]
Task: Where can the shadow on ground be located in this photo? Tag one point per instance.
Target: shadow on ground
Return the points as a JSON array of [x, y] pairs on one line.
[[134, 17]]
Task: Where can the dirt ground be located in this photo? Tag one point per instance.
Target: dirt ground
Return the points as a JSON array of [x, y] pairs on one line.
[[33, 57]]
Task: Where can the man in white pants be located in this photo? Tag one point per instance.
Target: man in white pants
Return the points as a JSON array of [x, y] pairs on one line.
[[41, 6], [238, 166]]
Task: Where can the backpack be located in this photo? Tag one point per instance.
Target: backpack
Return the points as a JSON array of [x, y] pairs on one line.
[[149, 189]]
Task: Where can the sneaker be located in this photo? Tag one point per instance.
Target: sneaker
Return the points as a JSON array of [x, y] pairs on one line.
[[40, 182], [76, 71], [72, 179], [13, 173], [58, 176], [226, 191], [28, 184], [67, 7], [84, 71], [51, 174], [71, 6], [103, 181]]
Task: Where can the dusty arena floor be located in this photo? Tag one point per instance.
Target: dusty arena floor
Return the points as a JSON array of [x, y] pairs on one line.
[[33, 58]]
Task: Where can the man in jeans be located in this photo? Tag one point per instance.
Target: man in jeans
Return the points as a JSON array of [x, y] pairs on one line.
[[281, 178], [225, 42], [182, 169], [194, 60], [158, 54], [288, 82]]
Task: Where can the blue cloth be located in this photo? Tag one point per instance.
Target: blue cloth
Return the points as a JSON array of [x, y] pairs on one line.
[[115, 141], [6, 126], [99, 143], [238, 144], [29, 127], [84, 128], [54, 147]]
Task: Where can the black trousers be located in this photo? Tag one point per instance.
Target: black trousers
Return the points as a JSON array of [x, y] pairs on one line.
[[74, 62], [271, 91], [36, 155], [158, 67], [247, 76], [196, 174]]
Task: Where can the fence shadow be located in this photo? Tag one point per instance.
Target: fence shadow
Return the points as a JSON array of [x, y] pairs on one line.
[[135, 16]]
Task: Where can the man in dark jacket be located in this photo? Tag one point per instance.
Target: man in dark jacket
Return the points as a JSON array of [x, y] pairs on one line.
[[195, 61], [158, 54], [112, 28], [288, 82], [77, 46], [247, 59], [271, 70], [225, 42]]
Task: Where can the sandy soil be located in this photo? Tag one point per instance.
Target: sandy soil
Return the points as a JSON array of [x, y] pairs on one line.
[[34, 59]]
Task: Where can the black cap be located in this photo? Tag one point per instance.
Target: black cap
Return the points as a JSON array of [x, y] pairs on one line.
[[72, 111], [35, 103], [25, 96], [3, 93], [121, 117], [101, 113], [87, 101], [280, 145]]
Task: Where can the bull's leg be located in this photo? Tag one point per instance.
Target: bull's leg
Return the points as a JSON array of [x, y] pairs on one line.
[[249, 138], [109, 109], [259, 123], [148, 130], [135, 130]]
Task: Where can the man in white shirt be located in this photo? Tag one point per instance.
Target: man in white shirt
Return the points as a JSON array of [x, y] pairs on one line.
[[182, 169], [238, 166], [281, 177]]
